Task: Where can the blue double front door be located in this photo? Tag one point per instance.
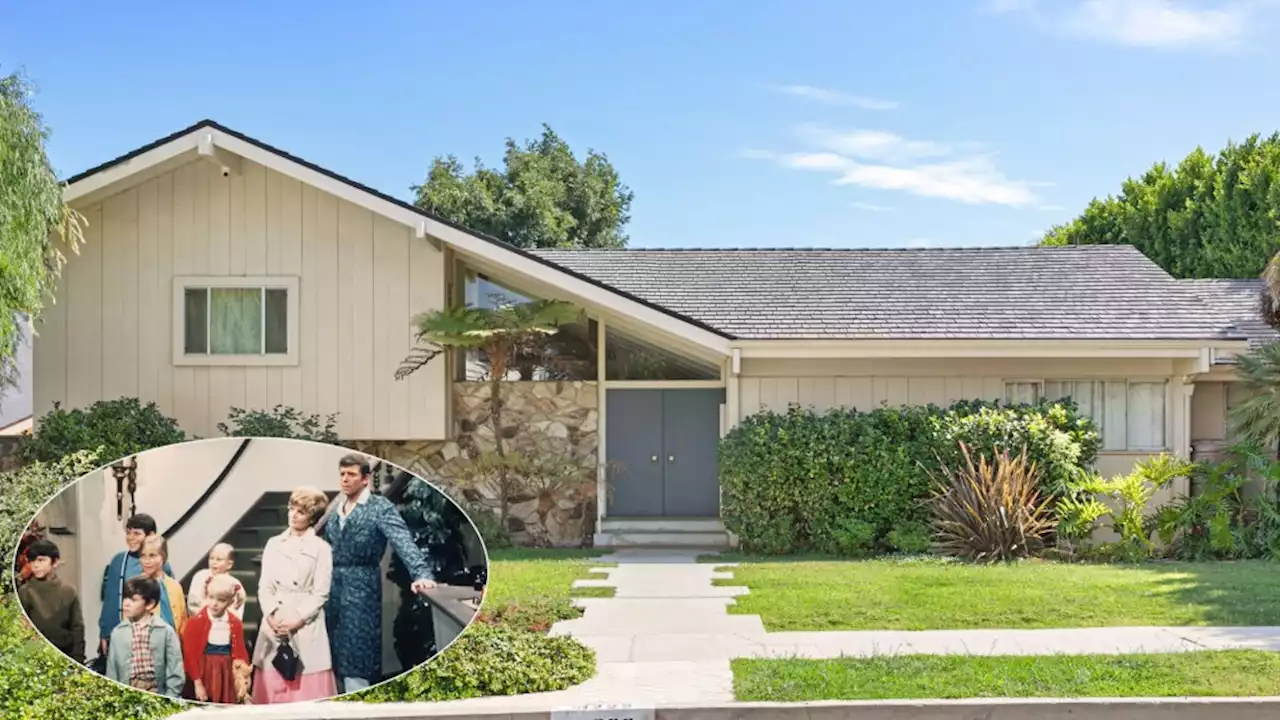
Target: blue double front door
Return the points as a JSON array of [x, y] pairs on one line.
[[662, 446]]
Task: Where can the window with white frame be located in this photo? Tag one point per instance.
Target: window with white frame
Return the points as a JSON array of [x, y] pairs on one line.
[[236, 320], [1130, 415]]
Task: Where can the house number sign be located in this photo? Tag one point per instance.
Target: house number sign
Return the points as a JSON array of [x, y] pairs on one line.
[[603, 711]]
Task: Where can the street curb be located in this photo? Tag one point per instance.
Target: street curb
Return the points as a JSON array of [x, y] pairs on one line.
[[1263, 708]]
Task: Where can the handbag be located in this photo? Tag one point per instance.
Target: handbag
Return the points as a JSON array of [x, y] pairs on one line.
[[286, 660]]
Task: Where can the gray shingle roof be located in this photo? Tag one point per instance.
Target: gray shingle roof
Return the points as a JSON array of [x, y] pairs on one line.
[[1235, 302], [1089, 292]]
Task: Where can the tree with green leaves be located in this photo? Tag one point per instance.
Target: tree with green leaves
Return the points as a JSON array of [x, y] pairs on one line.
[[1208, 217], [503, 334], [544, 197], [34, 222]]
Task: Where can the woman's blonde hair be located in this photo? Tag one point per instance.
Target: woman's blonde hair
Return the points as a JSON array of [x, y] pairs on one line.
[[311, 501], [160, 543], [223, 587]]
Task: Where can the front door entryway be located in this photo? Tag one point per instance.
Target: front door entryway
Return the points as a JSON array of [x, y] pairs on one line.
[[662, 446]]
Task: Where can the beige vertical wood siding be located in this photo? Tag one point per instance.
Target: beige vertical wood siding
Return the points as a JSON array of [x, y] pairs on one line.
[[866, 384], [363, 277], [1209, 411]]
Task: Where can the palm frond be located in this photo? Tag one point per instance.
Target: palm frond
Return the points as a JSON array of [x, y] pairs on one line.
[[416, 359], [455, 327], [1256, 420]]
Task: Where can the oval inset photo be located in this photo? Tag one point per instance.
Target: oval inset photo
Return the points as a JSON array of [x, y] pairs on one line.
[[251, 571]]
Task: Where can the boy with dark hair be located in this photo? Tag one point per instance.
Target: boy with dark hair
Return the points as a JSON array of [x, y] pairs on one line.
[[54, 608], [144, 651], [126, 564]]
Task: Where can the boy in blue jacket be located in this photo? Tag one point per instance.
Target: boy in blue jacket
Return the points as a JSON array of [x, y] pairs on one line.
[[124, 565]]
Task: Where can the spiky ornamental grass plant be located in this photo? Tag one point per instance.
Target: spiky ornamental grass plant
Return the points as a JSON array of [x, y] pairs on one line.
[[990, 511]]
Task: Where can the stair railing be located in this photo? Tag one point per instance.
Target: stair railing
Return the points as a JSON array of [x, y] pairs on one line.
[[208, 492]]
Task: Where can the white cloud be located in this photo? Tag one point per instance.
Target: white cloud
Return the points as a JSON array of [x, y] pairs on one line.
[[887, 161], [873, 144], [1008, 6], [1143, 23], [836, 97], [870, 207], [1157, 23]]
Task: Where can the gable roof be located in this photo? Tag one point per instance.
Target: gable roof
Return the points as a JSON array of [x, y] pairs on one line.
[[710, 297], [1235, 302], [185, 140], [1099, 292]]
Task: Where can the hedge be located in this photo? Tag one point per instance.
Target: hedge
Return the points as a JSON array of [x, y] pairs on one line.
[[841, 482]]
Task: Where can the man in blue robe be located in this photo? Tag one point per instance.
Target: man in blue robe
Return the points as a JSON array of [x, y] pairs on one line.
[[124, 565], [358, 527]]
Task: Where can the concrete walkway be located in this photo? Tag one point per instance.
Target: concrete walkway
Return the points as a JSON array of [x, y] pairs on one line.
[[666, 639]]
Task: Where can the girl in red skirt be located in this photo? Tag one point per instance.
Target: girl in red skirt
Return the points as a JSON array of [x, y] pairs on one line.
[[213, 643]]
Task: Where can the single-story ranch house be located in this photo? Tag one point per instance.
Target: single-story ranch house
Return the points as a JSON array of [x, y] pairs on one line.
[[222, 272]]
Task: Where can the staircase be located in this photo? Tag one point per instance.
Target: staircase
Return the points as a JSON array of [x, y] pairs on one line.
[[663, 532], [268, 517]]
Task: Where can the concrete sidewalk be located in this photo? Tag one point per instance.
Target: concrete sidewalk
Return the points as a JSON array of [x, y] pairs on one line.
[[666, 638]]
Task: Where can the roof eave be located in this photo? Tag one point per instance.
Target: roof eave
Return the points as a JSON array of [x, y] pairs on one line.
[[987, 348]]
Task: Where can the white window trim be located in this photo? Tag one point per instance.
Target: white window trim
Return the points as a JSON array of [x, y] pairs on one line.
[[288, 283], [1102, 449]]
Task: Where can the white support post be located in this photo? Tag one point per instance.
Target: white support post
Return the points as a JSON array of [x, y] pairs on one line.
[[1183, 389], [602, 453], [733, 397]]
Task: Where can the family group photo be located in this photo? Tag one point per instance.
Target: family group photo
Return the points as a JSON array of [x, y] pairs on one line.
[[250, 571]]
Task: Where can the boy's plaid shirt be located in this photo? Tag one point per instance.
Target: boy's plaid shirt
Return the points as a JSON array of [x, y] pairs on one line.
[[142, 666]]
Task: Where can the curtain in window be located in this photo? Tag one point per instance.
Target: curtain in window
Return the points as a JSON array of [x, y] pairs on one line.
[[1146, 415], [1089, 396], [1017, 393], [235, 321]]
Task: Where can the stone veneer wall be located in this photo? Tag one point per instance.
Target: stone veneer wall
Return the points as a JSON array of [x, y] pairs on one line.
[[555, 418], [9, 452]]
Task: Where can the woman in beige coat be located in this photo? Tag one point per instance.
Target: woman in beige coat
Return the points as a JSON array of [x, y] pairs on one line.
[[297, 569]]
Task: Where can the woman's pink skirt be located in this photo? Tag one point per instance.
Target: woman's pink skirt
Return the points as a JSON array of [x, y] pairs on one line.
[[270, 688]]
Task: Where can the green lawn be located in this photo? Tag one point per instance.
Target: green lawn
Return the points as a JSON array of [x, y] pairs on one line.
[[918, 677], [533, 588], [932, 594]]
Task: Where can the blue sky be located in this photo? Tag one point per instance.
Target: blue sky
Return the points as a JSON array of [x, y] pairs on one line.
[[755, 124]]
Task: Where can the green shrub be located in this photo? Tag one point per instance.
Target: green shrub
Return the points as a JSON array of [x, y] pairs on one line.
[[26, 490], [37, 682], [486, 522], [789, 480], [911, 538], [283, 422], [1130, 518], [1058, 441], [991, 510], [851, 537], [491, 660], [112, 428]]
